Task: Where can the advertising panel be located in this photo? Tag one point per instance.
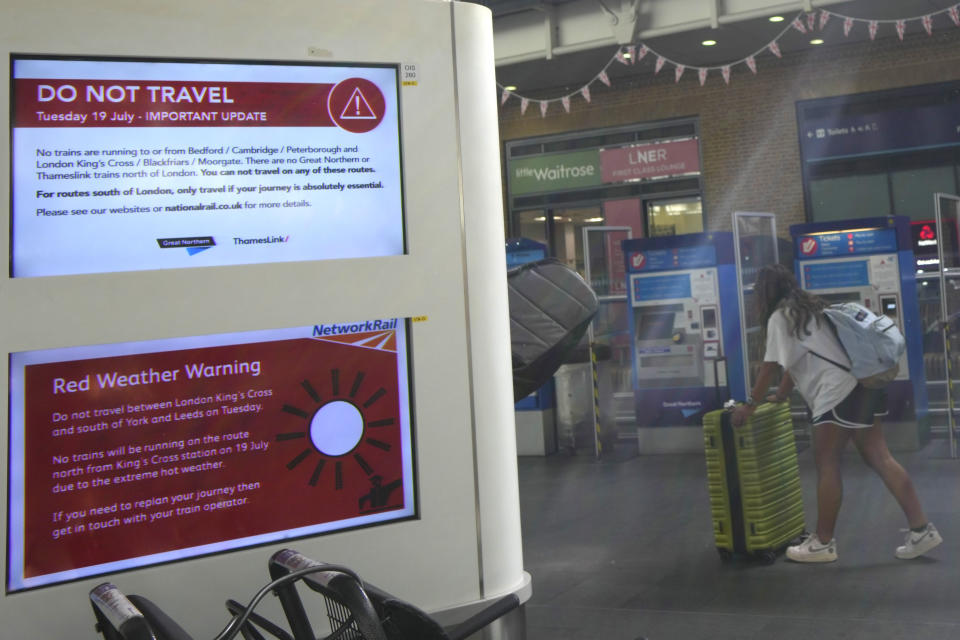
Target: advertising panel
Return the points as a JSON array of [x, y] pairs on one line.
[[122, 165], [127, 455]]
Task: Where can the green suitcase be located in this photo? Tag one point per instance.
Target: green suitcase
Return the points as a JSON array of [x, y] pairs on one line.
[[754, 482]]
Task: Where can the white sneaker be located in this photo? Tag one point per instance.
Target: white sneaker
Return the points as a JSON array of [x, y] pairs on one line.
[[812, 550], [918, 543]]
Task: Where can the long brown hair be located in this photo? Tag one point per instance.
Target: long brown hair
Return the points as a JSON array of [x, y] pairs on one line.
[[777, 287]]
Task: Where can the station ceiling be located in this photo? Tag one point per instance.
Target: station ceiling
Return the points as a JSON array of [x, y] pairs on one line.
[[546, 47]]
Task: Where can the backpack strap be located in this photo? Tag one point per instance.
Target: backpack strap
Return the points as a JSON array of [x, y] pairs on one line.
[[833, 362], [833, 329]]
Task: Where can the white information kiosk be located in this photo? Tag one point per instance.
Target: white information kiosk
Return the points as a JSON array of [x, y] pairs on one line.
[[256, 299]]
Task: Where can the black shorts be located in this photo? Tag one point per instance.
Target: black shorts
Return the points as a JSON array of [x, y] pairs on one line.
[[858, 410]]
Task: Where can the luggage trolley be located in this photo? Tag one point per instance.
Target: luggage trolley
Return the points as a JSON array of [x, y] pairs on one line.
[[355, 610]]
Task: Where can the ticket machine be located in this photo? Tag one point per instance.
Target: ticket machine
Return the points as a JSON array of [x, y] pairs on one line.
[[685, 327], [870, 261]]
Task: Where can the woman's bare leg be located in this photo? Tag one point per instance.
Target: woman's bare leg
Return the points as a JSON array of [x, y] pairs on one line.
[[829, 441], [872, 446]]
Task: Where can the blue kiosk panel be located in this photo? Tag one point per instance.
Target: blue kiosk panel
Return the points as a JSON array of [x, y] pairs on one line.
[[870, 261], [522, 251], [685, 326]]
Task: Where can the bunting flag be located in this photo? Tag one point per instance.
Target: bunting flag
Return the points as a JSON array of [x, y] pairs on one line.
[[631, 54]]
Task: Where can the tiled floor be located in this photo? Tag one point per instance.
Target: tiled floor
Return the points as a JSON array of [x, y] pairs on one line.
[[619, 550]]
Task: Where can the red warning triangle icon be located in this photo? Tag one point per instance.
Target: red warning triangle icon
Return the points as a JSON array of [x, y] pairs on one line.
[[357, 108]]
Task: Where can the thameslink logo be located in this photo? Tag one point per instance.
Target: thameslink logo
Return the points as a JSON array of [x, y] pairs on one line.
[[320, 330], [263, 240]]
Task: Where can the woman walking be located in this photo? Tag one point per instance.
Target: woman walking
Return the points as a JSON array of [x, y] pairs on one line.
[[842, 410]]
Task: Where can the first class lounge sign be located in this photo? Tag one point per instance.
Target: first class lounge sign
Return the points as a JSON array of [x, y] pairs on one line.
[[648, 161]]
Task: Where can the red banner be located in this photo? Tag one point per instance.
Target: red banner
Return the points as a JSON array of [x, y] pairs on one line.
[[647, 161], [354, 104]]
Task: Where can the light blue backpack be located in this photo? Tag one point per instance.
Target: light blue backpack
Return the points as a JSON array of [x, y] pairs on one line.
[[873, 343]]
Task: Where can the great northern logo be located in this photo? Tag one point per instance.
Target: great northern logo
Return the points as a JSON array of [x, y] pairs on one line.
[[808, 246]]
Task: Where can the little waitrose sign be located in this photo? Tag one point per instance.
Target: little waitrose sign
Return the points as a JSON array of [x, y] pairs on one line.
[[555, 172], [658, 160]]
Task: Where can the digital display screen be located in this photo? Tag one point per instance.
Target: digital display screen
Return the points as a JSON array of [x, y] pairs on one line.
[[655, 326], [665, 287], [889, 307], [129, 455], [125, 165], [835, 275], [709, 318]]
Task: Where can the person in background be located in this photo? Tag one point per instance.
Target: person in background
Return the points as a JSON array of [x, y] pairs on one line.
[[842, 410]]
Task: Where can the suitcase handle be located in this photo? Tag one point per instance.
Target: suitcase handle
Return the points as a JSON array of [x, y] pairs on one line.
[[716, 378]]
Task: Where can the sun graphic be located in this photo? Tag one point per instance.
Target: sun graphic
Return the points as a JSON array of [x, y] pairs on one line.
[[340, 427]]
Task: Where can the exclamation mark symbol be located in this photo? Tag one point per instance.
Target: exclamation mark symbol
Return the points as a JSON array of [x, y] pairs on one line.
[[357, 101]]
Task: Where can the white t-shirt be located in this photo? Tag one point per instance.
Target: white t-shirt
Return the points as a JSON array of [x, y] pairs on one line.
[[822, 384]]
